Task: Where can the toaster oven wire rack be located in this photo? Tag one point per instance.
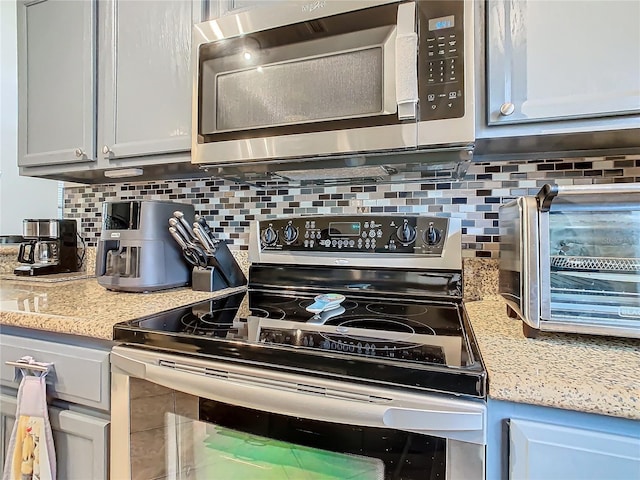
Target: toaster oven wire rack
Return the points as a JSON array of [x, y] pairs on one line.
[[599, 264]]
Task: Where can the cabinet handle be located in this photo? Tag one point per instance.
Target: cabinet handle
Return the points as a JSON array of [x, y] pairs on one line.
[[106, 150], [507, 109], [79, 152]]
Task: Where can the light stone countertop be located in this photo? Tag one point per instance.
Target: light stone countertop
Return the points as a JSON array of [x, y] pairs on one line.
[[84, 307], [587, 373], [81, 306], [575, 372]]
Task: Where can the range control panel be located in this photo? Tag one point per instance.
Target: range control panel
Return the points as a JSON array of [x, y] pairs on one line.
[[367, 234]]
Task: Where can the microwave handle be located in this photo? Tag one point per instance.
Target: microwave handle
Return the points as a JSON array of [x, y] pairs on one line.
[[406, 73]]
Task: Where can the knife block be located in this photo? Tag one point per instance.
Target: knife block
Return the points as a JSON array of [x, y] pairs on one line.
[[207, 279]]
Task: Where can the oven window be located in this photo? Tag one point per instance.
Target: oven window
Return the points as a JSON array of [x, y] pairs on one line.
[[236, 442], [226, 453], [180, 436]]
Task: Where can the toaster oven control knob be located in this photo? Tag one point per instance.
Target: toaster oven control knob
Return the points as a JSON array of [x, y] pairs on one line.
[[269, 236], [290, 233], [406, 233], [432, 236]]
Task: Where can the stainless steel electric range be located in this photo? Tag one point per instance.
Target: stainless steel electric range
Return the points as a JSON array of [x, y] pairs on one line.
[[350, 350]]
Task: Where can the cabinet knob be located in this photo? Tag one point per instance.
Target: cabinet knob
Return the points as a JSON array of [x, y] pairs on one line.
[[106, 150], [79, 152], [507, 109]]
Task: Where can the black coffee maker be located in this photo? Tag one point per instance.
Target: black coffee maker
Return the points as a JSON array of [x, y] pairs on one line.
[[50, 247]]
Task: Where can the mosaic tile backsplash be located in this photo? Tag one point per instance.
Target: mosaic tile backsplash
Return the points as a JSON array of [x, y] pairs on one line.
[[230, 207]]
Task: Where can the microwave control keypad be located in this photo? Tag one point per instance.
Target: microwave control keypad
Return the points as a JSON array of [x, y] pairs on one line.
[[441, 65]]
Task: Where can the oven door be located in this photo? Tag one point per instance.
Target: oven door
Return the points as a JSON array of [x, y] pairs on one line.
[[304, 79], [181, 417]]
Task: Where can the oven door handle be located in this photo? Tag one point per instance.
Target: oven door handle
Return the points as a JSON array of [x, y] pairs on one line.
[[307, 397]]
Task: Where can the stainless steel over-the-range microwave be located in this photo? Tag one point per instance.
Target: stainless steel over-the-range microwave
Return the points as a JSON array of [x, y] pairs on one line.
[[334, 78], [570, 259]]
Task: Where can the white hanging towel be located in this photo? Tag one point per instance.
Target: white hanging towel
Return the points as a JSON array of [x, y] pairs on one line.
[[31, 454]]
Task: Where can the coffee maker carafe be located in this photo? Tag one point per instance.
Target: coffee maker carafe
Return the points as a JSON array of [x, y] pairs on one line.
[[50, 247]]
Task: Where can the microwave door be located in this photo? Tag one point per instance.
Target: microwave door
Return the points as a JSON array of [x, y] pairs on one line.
[[326, 86]]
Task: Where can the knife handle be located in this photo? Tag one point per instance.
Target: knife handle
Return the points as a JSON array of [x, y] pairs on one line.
[[177, 225], [178, 238], [203, 224], [180, 216], [203, 239]]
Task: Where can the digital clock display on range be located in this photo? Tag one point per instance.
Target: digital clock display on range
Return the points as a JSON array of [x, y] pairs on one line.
[[344, 229]]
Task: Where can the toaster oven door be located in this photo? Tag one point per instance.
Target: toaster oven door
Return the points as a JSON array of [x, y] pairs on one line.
[[591, 243], [519, 259]]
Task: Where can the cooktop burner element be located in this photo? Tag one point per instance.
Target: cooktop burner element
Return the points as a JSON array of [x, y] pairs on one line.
[[398, 327]]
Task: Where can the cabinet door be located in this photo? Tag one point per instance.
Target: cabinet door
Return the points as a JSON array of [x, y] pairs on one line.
[[56, 82], [70, 362], [145, 70], [546, 451], [80, 441], [550, 60]]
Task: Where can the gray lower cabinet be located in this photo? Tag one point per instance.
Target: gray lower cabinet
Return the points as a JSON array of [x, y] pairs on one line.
[[539, 450], [104, 85], [78, 391], [530, 442], [550, 72], [81, 441]]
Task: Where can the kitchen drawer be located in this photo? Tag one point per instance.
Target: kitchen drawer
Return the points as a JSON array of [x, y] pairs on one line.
[[80, 374]]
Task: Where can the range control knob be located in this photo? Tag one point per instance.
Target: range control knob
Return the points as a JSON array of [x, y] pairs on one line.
[[406, 233], [269, 236], [432, 236], [290, 233]]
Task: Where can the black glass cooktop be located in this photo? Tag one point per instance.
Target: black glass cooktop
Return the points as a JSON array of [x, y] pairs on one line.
[[408, 344]]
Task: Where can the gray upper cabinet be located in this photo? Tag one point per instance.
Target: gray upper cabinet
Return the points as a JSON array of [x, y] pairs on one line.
[[547, 62], [145, 55], [56, 72], [104, 85], [557, 67]]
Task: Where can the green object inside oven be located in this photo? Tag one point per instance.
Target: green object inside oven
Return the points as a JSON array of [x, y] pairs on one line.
[[226, 454]]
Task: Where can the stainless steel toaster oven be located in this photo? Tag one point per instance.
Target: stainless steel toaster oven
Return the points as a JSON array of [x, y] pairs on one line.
[[570, 259]]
